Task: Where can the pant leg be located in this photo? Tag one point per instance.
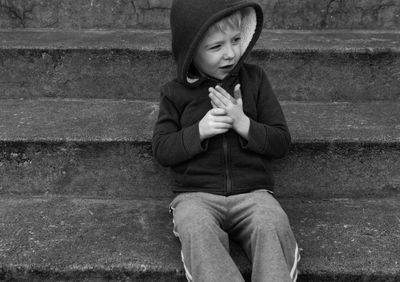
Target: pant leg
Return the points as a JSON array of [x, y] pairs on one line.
[[261, 227], [198, 221]]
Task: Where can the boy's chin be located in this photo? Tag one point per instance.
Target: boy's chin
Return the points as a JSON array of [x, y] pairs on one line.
[[218, 76]]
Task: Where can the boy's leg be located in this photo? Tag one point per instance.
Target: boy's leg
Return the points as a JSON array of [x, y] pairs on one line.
[[198, 218], [262, 228]]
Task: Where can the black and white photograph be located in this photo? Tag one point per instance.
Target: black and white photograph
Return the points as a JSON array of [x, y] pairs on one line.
[[200, 140]]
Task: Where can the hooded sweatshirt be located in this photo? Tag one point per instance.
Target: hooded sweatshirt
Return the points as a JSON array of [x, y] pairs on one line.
[[225, 164]]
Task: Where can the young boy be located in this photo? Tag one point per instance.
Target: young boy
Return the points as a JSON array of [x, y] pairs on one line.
[[218, 126]]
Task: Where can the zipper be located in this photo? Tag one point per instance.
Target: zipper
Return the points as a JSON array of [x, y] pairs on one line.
[[227, 170], [226, 156]]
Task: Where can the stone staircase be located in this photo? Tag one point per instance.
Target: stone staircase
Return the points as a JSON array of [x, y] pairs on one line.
[[81, 198]]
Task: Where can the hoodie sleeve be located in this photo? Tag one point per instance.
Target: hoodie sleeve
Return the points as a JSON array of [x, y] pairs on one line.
[[171, 143], [269, 134]]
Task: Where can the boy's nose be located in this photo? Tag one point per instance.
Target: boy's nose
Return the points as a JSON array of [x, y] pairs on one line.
[[229, 53]]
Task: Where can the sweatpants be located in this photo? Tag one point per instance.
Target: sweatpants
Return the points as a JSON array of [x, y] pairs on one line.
[[204, 223]]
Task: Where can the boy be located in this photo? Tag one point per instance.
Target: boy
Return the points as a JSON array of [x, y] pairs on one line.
[[219, 124]]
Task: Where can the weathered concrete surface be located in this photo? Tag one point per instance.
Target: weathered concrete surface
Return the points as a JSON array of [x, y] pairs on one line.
[[47, 239], [298, 41], [279, 14], [102, 148], [79, 120], [128, 170], [317, 66], [105, 120], [84, 14]]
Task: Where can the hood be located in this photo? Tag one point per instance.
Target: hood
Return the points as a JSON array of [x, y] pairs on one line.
[[190, 20]]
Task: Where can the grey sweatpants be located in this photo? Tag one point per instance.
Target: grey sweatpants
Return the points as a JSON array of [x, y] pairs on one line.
[[255, 220]]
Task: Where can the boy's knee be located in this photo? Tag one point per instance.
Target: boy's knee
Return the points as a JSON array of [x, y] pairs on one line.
[[192, 218], [268, 212], [271, 218]]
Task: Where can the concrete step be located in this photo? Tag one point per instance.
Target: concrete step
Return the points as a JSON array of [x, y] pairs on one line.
[[84, 239], [102, 148], [335, 65], [279, 14]]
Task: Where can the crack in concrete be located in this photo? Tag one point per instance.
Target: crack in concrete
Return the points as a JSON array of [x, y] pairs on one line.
[[18, 13], [324, 21], [375, 9], [134, 7], [136, 11]]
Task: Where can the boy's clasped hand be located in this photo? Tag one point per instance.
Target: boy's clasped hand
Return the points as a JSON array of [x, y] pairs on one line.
[[227, 113]]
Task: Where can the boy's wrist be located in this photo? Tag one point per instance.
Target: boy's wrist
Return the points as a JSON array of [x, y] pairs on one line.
[[242, 126], [201, 134]]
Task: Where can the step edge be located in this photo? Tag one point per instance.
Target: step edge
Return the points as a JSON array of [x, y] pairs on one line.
[[165, 46]]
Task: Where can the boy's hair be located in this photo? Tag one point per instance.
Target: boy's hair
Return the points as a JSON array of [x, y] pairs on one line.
[[232, 21]]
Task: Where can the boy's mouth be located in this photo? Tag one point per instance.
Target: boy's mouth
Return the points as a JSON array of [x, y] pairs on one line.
[[227, 67]]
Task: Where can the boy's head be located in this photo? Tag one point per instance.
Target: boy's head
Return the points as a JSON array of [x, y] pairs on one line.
[[196, 25], [220, 49]]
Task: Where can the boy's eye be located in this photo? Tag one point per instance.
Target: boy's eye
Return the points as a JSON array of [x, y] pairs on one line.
[[214, 47], [237, 39]]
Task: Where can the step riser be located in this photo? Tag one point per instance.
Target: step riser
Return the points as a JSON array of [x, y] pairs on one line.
[[34, 275], [308, 76], [306, 14], [128, 171], [75, 239]]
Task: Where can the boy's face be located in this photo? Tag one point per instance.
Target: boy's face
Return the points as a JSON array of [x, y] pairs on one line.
[[218, 52]]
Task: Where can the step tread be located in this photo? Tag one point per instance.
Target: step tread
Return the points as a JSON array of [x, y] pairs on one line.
[[303, 14], [102, 120], [79, 237], [341, 41], [336, 65]]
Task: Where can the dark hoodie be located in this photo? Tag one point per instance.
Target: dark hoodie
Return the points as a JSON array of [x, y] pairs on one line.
[[225, 164]]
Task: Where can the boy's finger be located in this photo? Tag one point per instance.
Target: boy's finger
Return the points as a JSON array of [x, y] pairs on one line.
[[217, 100], [217, 112], [221, 130], [225, 93], [223, 119], [219, 95], [222, 125], [213, 104], [237, 92]]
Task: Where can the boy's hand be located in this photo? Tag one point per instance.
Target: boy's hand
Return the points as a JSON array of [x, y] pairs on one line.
[[213, 123], [233, 107]]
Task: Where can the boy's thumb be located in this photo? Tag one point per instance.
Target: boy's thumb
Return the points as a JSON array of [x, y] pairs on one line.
[[237, 93]]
